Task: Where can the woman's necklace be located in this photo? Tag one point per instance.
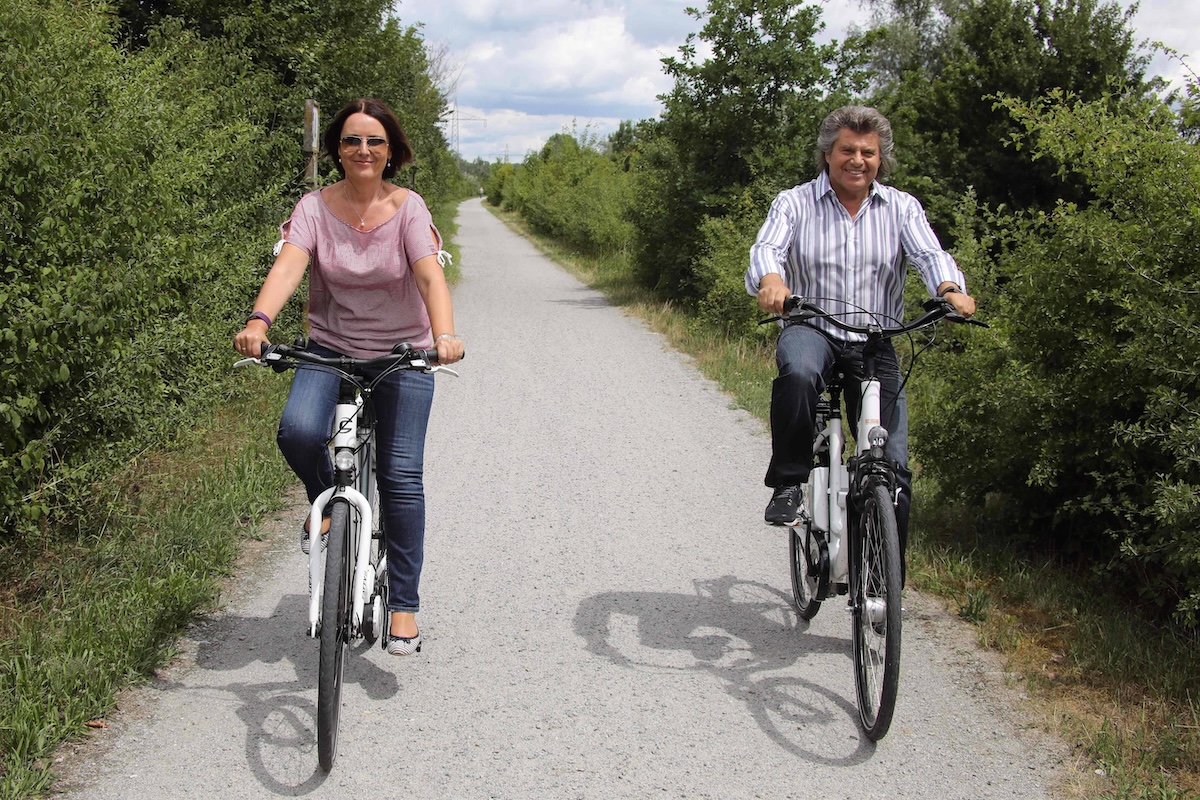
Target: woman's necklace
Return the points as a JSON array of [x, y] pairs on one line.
[[362, 221]]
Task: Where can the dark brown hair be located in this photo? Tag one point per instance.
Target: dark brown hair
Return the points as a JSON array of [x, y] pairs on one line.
[[402, 152]]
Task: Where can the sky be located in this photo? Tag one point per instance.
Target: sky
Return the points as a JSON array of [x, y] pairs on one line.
[[516, 72]]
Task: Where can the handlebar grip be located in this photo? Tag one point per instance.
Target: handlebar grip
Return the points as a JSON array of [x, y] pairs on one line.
[[401, 348]]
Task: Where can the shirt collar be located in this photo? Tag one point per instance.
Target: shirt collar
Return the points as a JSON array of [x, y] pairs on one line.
[[824, 187]]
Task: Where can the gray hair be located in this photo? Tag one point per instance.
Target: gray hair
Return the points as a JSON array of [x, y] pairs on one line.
[[861, 120]]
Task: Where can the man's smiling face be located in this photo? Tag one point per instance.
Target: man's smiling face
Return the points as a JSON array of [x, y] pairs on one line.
[[853, 163]]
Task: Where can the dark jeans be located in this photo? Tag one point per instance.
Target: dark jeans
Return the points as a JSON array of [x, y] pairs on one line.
[[402, 402], [806, 359]]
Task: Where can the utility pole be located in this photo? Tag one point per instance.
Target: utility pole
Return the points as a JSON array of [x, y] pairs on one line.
[[312, 141], [452, 118]]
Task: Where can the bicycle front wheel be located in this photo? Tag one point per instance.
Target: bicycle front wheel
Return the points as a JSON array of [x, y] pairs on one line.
[[335, 632], [876, 596]]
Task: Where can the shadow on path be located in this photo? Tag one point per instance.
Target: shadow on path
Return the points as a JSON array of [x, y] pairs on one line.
[[280, 714], [744, 634]]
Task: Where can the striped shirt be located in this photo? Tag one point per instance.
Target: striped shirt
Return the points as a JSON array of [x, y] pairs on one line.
[[849, 266]]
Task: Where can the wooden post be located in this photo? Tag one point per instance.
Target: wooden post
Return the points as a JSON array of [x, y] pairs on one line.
[[312, 141]]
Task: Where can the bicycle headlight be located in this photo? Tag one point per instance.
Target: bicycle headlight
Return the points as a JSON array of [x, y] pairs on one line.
[[877, 437], [343, 460]]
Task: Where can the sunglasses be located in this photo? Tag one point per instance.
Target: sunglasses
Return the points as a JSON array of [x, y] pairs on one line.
[[355, 142]]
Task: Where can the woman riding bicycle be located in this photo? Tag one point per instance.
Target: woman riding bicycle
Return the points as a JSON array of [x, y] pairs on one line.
[[376, 281]]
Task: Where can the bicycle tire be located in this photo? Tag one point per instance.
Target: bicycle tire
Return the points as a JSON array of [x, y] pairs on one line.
[[806, 572], [335, 633], [876, 595]]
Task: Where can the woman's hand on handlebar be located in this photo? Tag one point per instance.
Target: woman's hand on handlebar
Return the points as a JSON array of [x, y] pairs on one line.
[[449, 349], [250, 340]]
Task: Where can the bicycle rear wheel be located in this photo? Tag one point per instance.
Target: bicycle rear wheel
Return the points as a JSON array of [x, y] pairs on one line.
[[335, 633], [809, 560], [876, 596]]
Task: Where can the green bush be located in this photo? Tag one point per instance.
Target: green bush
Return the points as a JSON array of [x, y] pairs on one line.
[[1081, 406], [141, 205], [130, 210], [721, 269], [571, 191]]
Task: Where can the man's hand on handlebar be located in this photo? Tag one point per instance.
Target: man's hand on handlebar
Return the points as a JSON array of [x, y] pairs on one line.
[[772, 292], [964, 304]]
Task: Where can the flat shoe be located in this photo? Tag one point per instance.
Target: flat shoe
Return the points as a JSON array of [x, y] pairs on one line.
[[306, 541], [306, 544], [403, 646]]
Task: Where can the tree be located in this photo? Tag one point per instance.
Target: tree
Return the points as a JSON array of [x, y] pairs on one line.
[[743, 112], [1081, 408], [332, 52], [941, 66]]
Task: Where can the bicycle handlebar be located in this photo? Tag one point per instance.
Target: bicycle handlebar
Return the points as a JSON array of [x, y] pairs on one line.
[[403, 355], [798, 310], [281, 357]]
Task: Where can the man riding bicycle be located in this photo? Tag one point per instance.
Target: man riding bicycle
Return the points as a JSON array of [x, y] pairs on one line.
[[845, 241]]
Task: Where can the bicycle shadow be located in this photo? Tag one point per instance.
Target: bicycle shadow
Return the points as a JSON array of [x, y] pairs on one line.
[[280, 714], [744, 634]]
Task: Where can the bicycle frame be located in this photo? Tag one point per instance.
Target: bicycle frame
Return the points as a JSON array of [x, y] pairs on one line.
[[337, 609], [846, 539], [827, 492]]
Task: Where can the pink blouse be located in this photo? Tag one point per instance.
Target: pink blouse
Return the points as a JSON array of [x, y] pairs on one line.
[[362, 294]]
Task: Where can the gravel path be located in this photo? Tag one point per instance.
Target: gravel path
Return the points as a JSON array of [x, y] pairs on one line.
[[605, 616]]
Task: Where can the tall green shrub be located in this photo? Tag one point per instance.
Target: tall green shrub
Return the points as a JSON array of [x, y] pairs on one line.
[[131, 209], [744, 105], [572, 191], [1082, 406]]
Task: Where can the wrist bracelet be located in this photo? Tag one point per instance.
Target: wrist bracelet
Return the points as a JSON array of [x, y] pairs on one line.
[[446, 336], [259, 315], [952, 289]]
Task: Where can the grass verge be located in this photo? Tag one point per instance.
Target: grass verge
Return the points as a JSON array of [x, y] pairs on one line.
[[84, 615], [1122, 691]]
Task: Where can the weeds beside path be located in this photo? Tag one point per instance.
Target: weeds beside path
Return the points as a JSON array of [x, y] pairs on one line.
[[82, 616]]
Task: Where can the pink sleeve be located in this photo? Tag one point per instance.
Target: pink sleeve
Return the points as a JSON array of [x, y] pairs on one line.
[[299, 229], [421, 237]]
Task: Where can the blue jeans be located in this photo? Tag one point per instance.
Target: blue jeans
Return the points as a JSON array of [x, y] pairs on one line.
[[402, 402], [806, 359]]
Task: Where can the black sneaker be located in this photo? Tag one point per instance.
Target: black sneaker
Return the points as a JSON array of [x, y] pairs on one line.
[[784, 506]]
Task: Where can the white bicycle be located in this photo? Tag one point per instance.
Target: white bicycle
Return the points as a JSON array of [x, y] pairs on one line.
[[354, 558], [845, 540]]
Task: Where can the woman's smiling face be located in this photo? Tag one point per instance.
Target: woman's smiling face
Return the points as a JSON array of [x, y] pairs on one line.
[[362, 161]]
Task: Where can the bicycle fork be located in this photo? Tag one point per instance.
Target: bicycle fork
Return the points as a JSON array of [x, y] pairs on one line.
[[345, 439]]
